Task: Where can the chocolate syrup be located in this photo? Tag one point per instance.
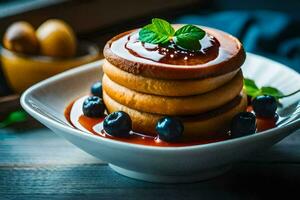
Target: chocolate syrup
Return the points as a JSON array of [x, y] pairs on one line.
[[171, 53]]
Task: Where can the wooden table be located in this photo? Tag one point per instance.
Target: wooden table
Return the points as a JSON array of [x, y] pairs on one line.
[[37, 164]]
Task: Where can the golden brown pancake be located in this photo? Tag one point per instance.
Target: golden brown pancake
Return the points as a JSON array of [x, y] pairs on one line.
[[204, 125], [187, 105], [165, 87], [230, 57], [149, 81]]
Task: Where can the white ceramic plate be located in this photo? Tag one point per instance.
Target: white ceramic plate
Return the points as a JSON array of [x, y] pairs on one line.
[[47, 100]]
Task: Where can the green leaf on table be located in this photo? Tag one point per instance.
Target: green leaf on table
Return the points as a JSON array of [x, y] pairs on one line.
[[17, 116], [14, 117]]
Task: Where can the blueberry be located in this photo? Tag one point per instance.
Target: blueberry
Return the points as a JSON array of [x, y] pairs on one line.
[[169, 129], [264, 106], [117, 124], [243, 124], [96, 89], [93, 106]]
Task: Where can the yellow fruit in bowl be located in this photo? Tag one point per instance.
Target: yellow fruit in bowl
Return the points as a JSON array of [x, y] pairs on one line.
[[57, 39], [20, 37]]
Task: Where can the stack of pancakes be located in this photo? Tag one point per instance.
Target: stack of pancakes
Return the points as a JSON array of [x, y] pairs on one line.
[[204, 96]]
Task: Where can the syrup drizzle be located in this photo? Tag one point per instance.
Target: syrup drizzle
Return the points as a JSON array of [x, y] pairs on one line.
[[74, 115], [171, 53]]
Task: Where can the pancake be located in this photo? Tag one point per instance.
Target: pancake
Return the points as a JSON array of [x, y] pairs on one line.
[[164, 87], [204, 125], [187, 105], [226, 57]]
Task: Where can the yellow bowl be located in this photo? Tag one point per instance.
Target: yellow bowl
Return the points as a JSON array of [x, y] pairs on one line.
[[22, 71]]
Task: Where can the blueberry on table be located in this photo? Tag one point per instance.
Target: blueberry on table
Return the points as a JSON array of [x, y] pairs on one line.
[[264, 106], [93, 106], [117, 124], [243, 124], [169, 129], [96, 89]]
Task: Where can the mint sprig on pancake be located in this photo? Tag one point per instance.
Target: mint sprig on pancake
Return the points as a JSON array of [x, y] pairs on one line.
[[161, 32]]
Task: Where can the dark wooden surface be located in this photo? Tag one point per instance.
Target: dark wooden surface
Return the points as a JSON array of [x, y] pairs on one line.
[[37, 164]]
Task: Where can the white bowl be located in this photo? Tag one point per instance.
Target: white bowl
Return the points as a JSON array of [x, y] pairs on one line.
[[47, 100]]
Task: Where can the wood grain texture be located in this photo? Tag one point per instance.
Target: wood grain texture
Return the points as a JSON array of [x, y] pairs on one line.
[[37, 164], [248, 181], [40, 147]]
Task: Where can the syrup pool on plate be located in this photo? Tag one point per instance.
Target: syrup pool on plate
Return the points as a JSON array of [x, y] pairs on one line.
[[75, 116]]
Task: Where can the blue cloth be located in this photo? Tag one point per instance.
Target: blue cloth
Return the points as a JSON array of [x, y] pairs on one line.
[[271, 34]]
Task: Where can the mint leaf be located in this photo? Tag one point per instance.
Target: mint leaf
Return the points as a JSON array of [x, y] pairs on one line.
[[188, 44], [159, 32], [163, 26], [190, 32], [271, 91], [149, 34], [188, 37], [250, 83], [251, 88]]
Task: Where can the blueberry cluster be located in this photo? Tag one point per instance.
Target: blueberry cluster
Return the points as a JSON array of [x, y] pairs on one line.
[[119, 124], [94, 106], [244, 123]]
